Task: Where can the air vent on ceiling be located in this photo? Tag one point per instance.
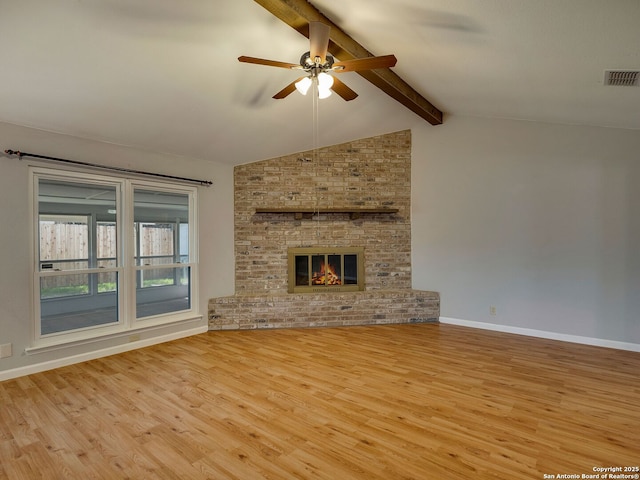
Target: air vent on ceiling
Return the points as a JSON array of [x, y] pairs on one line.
[[622, 78]]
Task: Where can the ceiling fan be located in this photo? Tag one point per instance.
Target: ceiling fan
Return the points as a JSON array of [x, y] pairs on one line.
[[317, 63]]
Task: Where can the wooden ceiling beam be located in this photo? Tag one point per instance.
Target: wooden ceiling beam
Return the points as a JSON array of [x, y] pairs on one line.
[[298, 14]]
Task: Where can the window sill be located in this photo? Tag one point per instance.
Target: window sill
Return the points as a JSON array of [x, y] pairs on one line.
[[133, 335]]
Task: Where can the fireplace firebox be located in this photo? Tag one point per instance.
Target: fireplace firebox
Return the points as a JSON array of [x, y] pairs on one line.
[[326, 269]]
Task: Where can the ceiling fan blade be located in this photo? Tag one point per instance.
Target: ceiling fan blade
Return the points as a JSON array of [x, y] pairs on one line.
[[286, 91], [270, 63], [369, 63], [341, 89], [319, 40]]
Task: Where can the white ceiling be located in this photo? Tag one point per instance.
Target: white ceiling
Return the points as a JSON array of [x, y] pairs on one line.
[[163, 75]]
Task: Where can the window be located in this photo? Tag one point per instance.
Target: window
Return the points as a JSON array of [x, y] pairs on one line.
[[112, 255], [162, 279]]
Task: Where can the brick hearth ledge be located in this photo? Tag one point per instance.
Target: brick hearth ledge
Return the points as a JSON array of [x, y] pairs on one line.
[[373, 307]]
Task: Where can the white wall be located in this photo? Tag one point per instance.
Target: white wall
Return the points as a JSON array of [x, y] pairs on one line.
[[215, 238], [541, 221]]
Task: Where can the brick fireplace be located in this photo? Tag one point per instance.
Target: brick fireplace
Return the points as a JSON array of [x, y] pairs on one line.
[[353, 195]]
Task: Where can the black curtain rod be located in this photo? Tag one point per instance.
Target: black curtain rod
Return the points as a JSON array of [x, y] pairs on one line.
[[116, 169]]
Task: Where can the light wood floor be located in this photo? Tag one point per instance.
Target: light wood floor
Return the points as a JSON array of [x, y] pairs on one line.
[[381, 402]]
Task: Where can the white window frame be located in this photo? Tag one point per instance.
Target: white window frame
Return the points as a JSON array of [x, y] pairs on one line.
[[125, 268]]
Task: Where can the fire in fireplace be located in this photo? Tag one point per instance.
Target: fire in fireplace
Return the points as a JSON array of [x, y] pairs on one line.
[[326, 269]]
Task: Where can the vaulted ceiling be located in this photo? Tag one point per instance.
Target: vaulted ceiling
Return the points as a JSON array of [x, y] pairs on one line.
[[163, 75]]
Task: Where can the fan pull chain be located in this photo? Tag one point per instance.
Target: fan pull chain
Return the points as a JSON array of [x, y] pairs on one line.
[[316, 143]]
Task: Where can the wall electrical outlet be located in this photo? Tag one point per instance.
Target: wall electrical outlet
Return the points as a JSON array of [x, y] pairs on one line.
[[6, 350], [492, 310]]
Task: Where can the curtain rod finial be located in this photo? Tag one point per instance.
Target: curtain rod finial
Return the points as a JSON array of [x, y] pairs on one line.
[[14, 152]]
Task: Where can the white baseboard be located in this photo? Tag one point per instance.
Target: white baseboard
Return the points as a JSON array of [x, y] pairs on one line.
[[598, 342], [104, 352]]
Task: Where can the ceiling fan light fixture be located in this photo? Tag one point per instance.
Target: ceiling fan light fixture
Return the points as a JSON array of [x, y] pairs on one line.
[[325, 80], [323, 92], [303, 85]]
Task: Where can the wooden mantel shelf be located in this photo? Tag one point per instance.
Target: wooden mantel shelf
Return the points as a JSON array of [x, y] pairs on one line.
[[300, 213]]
